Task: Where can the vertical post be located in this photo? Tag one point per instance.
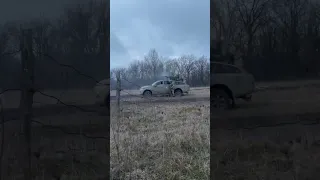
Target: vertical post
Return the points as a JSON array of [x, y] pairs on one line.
[[118, 93], [27, 60]]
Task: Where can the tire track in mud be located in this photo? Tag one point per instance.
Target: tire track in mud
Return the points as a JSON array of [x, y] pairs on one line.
[[94, 109], [164, 100]]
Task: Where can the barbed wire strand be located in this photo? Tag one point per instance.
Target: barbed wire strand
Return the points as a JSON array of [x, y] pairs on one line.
[[71, 67], [58, 99]]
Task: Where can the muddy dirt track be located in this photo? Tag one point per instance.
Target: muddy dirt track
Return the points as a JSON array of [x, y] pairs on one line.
[[85, 102], [137, 99], [273, 103]]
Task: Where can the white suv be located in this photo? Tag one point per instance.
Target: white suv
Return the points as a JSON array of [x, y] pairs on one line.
[[229, 82]]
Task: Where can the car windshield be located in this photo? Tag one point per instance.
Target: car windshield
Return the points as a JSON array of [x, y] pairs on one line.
[[155, 83]]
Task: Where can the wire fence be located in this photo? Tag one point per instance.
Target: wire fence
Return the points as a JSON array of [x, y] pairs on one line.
[[118, 126], [127, 131], [72, 128]]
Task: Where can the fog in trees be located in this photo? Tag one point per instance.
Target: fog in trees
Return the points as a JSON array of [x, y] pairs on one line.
[[194, 70]]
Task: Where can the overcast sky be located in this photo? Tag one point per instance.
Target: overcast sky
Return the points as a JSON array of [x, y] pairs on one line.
[[172, 27]]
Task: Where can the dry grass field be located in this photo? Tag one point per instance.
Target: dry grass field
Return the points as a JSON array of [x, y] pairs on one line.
[[161, 141], [67, 143], [69, 146], [170, 140], [272, 151], [285, 153]]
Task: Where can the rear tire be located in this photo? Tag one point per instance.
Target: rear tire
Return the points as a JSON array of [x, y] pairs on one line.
[[178, 93], [147, 94], [221, 100]]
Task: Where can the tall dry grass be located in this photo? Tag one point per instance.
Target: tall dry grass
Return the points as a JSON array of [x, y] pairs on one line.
[[274, 153], [55, 153], [160, 141]]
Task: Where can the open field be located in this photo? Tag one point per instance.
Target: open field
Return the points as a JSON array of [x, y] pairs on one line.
[[193, 90], [67, 146], [170, 139], [87, 96], [276, 136], [285, 153], [161, 141], [68, 142], [274, 106]]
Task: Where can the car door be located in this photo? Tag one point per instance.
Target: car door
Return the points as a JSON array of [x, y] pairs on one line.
[[167, 85], [155, 88], [222, 74], [239, 80], [161, 88]]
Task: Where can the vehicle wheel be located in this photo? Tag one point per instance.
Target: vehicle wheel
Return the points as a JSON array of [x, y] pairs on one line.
[[147, 94], [178, 92], [221, 100]]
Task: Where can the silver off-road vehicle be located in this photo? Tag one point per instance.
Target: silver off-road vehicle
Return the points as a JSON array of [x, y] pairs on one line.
[[229, 82], [165, 87]]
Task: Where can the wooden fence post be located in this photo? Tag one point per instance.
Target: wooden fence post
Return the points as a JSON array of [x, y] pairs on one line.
[[118, 94], [27, 91]]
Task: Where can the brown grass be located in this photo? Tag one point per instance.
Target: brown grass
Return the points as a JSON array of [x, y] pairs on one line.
[[286, 153], [276, 153], [60, 154], [161, 141]]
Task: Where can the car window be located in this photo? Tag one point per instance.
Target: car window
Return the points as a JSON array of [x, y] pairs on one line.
[[167, 82], [224, 69], [156, 83]]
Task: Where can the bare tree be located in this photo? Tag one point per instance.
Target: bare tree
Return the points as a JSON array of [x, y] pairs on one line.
[[187, 64], [154, 63], [226, 24], [253, 14], [141, 72], [201, 70]]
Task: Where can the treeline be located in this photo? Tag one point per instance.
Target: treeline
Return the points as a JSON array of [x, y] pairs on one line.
[[194, 70], [274, 39], [78, 38]]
